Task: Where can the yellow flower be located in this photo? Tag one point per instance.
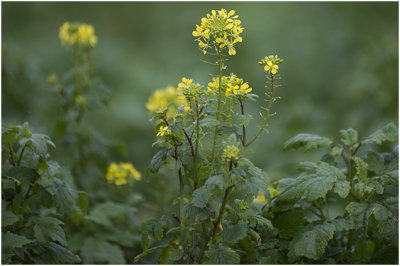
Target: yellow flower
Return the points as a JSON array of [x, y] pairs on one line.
[[221, 29], [261, 197], [232, 86], [122, 173], [189, 89], [167, 100], [163, 131], [271, 67], [76, 33]]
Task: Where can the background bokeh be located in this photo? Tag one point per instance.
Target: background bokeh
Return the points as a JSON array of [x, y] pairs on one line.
[[340, 71]]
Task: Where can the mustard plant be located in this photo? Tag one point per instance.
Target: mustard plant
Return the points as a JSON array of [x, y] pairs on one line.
[[202, 130]]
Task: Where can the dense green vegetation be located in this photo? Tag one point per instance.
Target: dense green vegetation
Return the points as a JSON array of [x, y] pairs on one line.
[[214, 182]]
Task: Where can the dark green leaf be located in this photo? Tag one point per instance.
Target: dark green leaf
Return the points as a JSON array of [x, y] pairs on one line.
[[209, 122], [147, 252], [219, 254], [10, 240], [201, 197], [56, 254], [259, 220], [311, 244], [290, 223], [342, 188], [158, 159], [83, 201], [234, 233], [99, 251], [48, 229], [8, 218]]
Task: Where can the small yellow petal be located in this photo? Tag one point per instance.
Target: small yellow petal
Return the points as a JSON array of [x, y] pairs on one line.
[[275, 66], [195, 33], [231, 13], [269, 63], [273, 71]]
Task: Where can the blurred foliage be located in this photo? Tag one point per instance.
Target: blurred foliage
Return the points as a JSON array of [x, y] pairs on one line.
[[341, 71]]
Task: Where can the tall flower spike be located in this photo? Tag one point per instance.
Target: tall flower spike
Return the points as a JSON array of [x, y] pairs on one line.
[[76, 33], [271, 63], [221, 29]]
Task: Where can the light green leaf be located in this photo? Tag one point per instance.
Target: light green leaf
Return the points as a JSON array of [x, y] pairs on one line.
[[375, 162], [219, 254], [387, 133], [8, 218], [381, 213], [361, 168], [348, 136], [11, 240], [82, 202], [357, 211], [38, 143], [259, 220], [208, 122], [343, 224], [201, 197], [48, 229], [342, 188], [307, 141], [234, 233], [102, 213], [315, 182], [244, 120], [215, 181], [311, 244]]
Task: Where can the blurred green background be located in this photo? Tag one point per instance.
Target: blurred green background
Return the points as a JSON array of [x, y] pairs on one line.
[[340, 70]]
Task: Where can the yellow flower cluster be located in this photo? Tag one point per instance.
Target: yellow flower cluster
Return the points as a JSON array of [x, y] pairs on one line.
[[189, 89], [231, 153], [220, 28], [271, 63], [163, 131], [231, 85], [166, 100], [121, 173], [76, 33], [261, 197]]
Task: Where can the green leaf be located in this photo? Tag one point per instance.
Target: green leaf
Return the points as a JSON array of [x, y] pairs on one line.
[[290, 223], [234, 233], [56, 254], [11, 240], [219, 254], [215, 181], [158, 159], [23, 174], [47, 229], [63, 198], [348, 136], [343, 224], [311, 244], [96, 250], [102, 213], [357, 211], [8, 218], [201, 197], [208, 122], [361, 168], [38, 143], [315, 182], [381, 213], [375, 162], [244, 120], [147, 252], [259, 220], [387, 133], [307, 141], [165, 253], [342, 188], [82, 202]]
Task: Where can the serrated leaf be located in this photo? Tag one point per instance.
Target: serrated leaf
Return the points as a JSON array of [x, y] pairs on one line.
[[290, 223], [219, 254], [307, 141], [234, 233], [23, 174], [208, 122], [11, 240], [348, 136], [38, 143], [357, 211], [361, 168], [8, 218], [259, 220], [311, 244], [158, 159], [315, 182], [342, 188], [343, 224], [96, 250], [188, 210], [375, 162], [244, 120], [48, 229], [63, 198], [201, 197], [381, 213], [387, 133], [56, 254], [215, 181]]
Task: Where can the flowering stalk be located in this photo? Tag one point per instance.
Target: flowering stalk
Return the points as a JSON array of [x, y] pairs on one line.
[[218, 106], [271, 100], [243, 127]]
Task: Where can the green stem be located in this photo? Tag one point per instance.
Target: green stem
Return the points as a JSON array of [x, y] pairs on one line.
[[271, 100], [243, 127], [197, 141], [229, 111], [218, 107], [20, 155]]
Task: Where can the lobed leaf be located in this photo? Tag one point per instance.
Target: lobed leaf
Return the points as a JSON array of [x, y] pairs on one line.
[[388, 133], [307, 141]]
